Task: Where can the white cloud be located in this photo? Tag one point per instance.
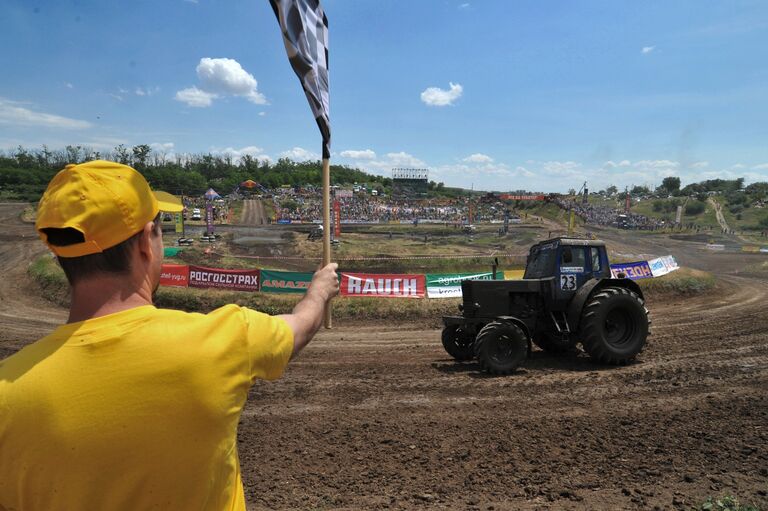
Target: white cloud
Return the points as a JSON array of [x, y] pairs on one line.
[[191, 1], [738, 166], [116, 96], [403, 159], [15, 115], [560, 168], [700, 165], [435, 96], [146, 91], [366, 154], [464, 6], [300, 154], [656, 164], [762, 166], [478, 158], [195, 97], [253, 151], [647, 49], [162, 147], [384, 165], [69, 85], [262, 114], [227, 76], [219, 78]]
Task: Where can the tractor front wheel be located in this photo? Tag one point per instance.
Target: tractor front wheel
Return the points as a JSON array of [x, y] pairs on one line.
[[614, 325], [501, 347], [458, 343]]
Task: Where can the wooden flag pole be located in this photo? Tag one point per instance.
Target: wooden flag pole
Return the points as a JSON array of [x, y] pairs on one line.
[[327, 227]]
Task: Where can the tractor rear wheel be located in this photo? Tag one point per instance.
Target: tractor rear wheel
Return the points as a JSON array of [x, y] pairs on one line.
[[501, 347], [458, 343], [614, 325]]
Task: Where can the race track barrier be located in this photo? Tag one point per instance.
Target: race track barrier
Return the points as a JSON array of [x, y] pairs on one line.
[[380, 285]]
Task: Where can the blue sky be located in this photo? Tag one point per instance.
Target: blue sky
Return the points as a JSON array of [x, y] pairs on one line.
[[494, 94]]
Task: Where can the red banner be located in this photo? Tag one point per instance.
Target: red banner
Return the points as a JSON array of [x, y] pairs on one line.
[[336, 219], [237, 280], [176, 275], [383, 286]]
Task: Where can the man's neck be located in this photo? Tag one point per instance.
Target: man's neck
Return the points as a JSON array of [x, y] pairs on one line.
[[99, 297]]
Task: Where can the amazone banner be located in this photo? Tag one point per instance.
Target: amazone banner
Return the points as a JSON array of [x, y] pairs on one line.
[[634, 271], [448, 285], [236, 280], [383, 286], [174, 275], [273, 281]]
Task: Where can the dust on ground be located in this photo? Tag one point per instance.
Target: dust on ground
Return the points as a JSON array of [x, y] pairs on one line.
[[378, 416]]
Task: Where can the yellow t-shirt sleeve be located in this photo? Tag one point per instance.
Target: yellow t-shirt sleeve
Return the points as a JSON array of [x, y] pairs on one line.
[[269, 340]]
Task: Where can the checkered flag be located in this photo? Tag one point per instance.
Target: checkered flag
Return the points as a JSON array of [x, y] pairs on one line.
[[305, 34]]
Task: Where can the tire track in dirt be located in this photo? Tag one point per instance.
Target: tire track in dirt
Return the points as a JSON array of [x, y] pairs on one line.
[[378, 416]]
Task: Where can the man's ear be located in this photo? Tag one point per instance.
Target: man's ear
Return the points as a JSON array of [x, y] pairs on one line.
[[145, 240]]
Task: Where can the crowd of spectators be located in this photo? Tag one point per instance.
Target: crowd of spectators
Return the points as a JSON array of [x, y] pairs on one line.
[[307, 208], [606, 215]]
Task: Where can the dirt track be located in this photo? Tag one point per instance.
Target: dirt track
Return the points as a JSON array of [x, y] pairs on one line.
[[253, 213], [377, 415]]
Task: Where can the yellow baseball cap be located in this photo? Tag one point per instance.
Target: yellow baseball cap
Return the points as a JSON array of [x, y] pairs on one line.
[[107, 202]]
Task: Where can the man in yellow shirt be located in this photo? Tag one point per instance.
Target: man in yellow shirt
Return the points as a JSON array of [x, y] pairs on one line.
[[128, 406]]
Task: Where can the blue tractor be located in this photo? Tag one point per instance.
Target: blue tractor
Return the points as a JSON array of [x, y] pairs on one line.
[[567, 297]]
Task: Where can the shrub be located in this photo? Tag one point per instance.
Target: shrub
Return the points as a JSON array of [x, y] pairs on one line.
[[695, 208]]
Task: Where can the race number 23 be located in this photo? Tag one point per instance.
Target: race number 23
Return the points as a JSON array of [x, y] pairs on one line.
[[568, 282]]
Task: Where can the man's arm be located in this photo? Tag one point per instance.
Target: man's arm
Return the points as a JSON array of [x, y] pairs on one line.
[[307, 316]]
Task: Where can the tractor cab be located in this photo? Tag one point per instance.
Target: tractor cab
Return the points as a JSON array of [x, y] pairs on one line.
[[568, 263]]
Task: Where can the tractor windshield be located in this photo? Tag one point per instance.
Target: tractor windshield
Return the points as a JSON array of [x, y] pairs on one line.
[[541, 262]]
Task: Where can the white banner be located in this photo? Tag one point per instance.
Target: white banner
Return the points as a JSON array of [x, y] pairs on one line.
[[663, 265]]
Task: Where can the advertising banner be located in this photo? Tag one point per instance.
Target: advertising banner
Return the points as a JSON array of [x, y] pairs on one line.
[[507, 196], [383, 286], [514, 274], [336, 219], [273, 281], [634, 271], [236, 280], [448, 285], [715, 246], [179, 223], [171, 251], [174, 275], [343, 194], [209, 218], [750, 248]]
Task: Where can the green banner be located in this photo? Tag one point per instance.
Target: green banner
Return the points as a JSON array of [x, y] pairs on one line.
[[273, 281], [448, 285], [171, 251]]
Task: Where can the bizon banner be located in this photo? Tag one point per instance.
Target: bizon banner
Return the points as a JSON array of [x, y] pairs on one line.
[[384, 286], [634, 271], [175, 275], [448, 285], [284, 281], [236, 280]]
